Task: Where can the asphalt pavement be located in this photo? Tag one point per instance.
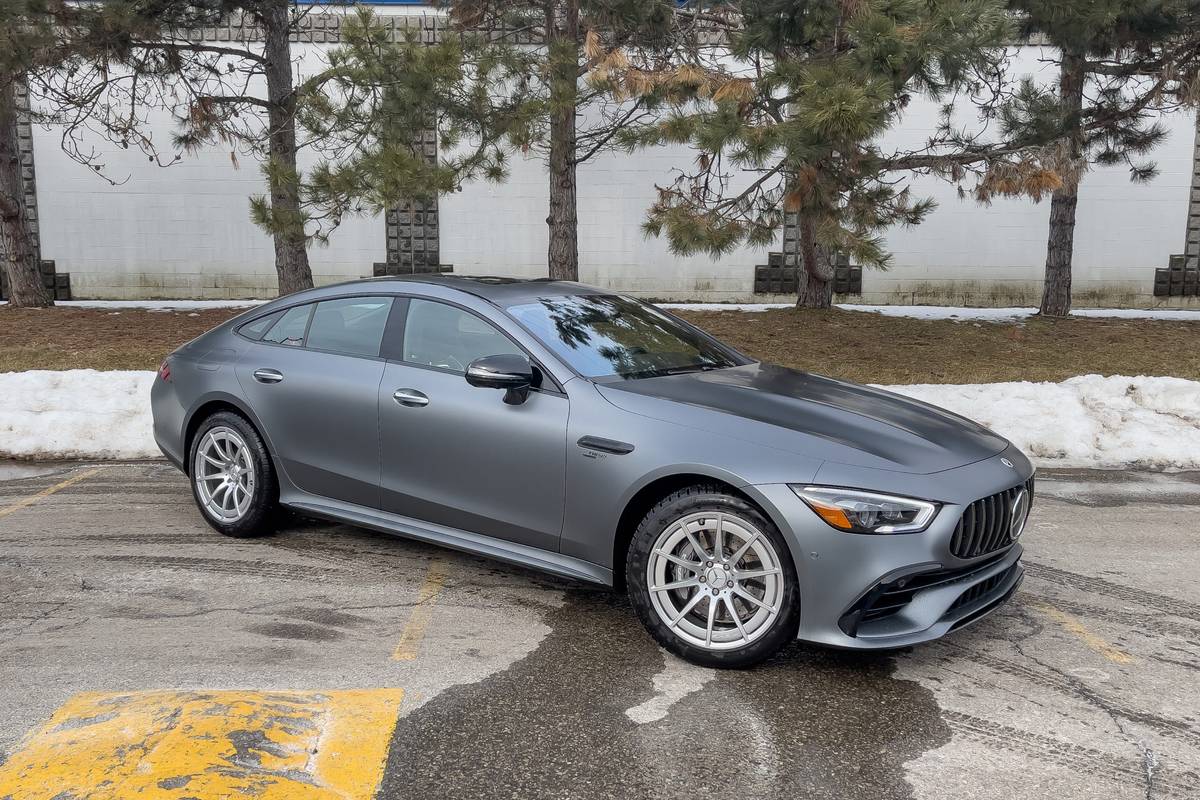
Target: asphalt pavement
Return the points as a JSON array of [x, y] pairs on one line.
[[141, 654]]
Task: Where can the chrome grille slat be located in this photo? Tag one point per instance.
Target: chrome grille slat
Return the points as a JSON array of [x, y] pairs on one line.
[[984, 525]]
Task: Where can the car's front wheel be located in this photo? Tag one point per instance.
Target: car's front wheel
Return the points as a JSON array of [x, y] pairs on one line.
[[712, 580], [232, 477]]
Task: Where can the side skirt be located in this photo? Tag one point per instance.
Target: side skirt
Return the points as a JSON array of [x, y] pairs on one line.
[[477, 544]]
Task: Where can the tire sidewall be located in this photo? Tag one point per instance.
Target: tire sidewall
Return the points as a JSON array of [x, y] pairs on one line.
[[260, 517], [659, 518]]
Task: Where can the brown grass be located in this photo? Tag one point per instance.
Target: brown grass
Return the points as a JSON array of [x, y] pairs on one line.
[[846, 344], [872, 348], [79, 338]]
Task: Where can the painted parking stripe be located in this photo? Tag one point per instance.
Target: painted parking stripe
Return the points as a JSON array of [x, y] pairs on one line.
[[414, 630], [170, 745], [1092, 640], [58, 487]]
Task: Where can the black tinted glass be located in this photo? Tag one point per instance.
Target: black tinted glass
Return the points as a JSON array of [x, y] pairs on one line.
[[255, 330], [442, 335], [351, 325], [290, 327], [601, 335]]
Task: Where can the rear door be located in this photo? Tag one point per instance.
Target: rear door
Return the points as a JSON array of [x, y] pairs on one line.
[[313, 380], [457, 455]]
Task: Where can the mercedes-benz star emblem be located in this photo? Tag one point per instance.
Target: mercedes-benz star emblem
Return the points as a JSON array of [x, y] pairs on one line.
[[1007, 463]]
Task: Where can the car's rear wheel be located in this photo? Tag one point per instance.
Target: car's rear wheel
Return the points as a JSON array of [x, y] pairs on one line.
[[232, 477], [712, 579]]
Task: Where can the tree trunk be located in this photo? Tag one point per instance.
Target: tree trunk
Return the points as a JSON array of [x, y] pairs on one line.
[[814, 278], [1056, 291], [563, 253], [25, 287], [291, 254]]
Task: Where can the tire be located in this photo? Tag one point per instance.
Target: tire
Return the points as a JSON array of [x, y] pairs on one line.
[[250, 509], [678, 524]]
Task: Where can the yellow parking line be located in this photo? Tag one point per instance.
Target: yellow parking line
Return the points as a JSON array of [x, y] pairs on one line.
[[287, 745], [418, 620], [1092, 640], [58, 487]]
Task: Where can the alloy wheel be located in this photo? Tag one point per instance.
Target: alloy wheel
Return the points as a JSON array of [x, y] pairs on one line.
[[224, 474], [715, 580]]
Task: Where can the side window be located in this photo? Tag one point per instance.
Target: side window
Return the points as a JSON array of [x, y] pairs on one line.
[[351, 325], [290, 328], [255, 330], [441, 335]]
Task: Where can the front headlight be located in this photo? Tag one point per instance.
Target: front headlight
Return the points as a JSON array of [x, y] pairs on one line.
[[856, 511]]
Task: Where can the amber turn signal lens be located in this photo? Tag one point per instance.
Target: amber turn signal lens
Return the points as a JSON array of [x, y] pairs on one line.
[[833, 515]]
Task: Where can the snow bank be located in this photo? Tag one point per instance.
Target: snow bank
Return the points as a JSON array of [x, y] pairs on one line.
[[958, 313], [79, 413], [1089, 421]]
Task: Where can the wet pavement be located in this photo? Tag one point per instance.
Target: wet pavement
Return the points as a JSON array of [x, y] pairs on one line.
[[121, 610]]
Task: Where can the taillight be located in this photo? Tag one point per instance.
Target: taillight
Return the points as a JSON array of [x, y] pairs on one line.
[[164, 371]]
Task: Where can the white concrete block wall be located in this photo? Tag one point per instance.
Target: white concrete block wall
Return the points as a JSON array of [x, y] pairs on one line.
[[185, 231]]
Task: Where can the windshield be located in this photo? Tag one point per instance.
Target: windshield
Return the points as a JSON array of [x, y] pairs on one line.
[[602, 335]]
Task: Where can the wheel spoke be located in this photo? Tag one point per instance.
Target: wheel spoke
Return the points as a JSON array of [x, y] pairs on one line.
[[687, 608], [737, 619], [756, 573], [742, 593], [669, 587], [741, 551], [712, 617], [694, 566], [719, 538], [700, 551], [212, 460]]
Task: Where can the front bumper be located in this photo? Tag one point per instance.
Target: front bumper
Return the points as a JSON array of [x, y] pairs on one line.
[[879, 592]]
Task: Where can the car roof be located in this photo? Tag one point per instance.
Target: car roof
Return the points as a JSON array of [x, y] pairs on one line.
[[501, 291]]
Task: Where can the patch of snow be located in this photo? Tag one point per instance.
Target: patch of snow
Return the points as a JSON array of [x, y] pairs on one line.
[[79, 413], [959, 313], [675, 681], [1088, 421]]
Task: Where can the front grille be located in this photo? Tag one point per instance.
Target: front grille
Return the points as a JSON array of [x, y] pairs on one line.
[[984, 526], [981, 589]]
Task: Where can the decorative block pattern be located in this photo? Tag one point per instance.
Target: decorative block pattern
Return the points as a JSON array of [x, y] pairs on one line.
[[411, 229], [780, 275], [1180, 279], [1191, 251]]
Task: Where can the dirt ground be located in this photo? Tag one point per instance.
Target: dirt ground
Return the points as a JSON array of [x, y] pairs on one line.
[[851, 345]]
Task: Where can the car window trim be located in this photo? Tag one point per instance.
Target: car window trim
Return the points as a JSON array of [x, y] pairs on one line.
[[379, 355], [304, 344], [396, 339]]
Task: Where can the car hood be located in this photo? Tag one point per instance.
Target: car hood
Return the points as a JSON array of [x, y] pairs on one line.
[[814, 416]]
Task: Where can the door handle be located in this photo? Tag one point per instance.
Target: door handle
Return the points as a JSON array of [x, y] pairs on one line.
[[411, 398], [268, 375]]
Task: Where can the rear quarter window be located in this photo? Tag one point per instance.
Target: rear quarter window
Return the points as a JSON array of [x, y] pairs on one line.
[[255, 329], [289, 329]]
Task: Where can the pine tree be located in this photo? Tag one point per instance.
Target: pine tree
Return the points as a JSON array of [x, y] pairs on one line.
[[241, 94], [1120, 64], [787, 117]]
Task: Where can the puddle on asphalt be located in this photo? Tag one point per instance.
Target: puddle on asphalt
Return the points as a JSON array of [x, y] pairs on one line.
[[809, 723]]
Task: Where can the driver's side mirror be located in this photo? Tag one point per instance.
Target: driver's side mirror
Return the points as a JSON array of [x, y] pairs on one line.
[[512, 373]]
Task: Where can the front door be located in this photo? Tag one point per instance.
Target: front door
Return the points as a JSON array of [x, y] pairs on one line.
[[457, 455]]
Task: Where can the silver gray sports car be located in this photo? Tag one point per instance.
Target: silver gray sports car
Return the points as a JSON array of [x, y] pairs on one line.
[[569, 429]]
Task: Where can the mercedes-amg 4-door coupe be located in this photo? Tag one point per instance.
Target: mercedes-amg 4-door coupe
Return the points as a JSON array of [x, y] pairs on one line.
[[573, 430]]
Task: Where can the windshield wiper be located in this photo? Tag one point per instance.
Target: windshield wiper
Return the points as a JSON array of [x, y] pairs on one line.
[[691, 368]]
